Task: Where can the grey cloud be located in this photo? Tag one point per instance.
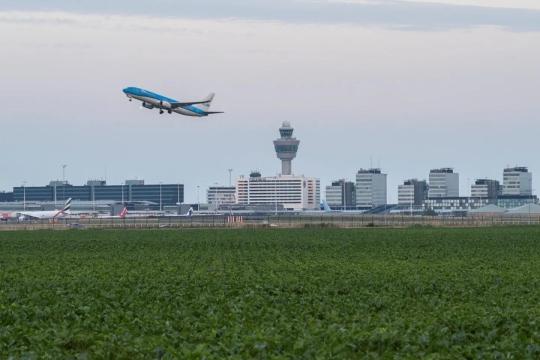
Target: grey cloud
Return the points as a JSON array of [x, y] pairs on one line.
[[388, 13]]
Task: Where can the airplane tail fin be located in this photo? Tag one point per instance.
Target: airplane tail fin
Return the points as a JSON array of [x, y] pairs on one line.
[[325, 206], [123, 213], [206, 102], [190, 212], [65, 209], [67, 205], [203, 105]]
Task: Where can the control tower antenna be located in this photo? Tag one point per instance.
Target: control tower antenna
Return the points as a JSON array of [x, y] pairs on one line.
[[286, 147]]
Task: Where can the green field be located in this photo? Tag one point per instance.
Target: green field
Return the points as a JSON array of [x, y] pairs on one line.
[[326, 293]]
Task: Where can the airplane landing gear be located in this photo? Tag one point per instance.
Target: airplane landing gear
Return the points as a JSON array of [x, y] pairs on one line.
[[161, 107], [169, 111]]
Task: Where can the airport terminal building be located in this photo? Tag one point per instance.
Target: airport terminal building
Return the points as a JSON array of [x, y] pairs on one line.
[[97, 190]]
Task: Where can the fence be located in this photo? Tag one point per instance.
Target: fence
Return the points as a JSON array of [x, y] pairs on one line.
[[278, 221]]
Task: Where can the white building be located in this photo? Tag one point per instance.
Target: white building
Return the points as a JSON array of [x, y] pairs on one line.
[[412, 192], [517, 181], [405, 194], [293, 192], [479, 190], [370, 188], [334, 195], [221, 195], [443, 183], [485, 188], [341, 195]]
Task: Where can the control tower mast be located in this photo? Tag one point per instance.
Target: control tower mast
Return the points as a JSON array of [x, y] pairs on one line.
[[286, 147]]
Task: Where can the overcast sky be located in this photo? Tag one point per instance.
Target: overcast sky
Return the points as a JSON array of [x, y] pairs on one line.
[[404, 85]]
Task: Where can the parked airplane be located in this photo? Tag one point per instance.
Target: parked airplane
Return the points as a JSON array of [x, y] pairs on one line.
[[42, 215], [325, 208], [189, 213], [6, 216], [122, 215], [142, 214], [152, 100]]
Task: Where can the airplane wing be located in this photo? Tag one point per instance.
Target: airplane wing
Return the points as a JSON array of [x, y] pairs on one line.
[[175, 105]]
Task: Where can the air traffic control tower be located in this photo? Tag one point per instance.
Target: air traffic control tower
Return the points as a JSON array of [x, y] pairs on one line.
[[286, 147]]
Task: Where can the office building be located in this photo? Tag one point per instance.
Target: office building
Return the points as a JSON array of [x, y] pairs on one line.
[[341, 195], [517, 181], [486, 188], [334, 195], [412, 192], [286, 147], [443, 182], [370, 188], [221, 195], [293, 192], [97, 190]]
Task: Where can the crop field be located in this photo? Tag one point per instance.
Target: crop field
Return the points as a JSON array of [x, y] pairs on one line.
[[271, 293]]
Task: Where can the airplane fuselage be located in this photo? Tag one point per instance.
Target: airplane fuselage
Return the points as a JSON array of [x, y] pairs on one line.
[[41, 215], [152, 100]]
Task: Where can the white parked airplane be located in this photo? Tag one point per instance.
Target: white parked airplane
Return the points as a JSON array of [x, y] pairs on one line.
[[45, 215], [142, 214], [6, 216], [152, 100], [122, 215], [189, 213]]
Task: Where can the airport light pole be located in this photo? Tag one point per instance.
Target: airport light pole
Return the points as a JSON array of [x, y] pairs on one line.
[[344, 195], [24, 195], [275, 194], [160, 198], [532, 192], [230, 176], [198, 202], [64, 182], [216, 196]]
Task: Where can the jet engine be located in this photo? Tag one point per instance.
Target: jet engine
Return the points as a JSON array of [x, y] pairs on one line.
[[148, 106]]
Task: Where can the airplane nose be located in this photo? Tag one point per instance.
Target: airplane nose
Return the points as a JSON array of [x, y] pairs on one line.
[[125, 90]]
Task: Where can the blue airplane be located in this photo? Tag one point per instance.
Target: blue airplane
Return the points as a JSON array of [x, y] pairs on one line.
[[152, 100]]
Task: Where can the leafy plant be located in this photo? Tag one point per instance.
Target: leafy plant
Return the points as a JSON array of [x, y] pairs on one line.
[[271, 293]]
